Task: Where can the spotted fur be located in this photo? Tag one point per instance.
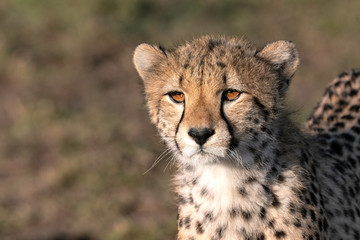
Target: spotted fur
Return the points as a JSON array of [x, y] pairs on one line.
[[245, 171]]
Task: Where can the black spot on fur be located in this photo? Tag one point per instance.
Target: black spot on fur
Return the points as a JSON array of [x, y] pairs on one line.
[[262, 213], [353, 92], [280, 234], [327, 107], [313, 198], [187, 222], [339, 125], [233, 213], [326, 225], [343, 74], [324, 135], [212, 44], [336, 148], [250, 179], [348, 84], [180, 223], [292, 208], [275, 201], [264, 144], [221, 64], [194, 181], [191, 199], [352, 161], [347, 117], [246, 215], [354, 108], [297, 223], [220, 231], [348, 146], [312, 215], [320, 224], [252, 149], [242, 191], [356, 129], [260, 236], [356, 234], [263, 128], [303, 212], [181, 200], [355, 73], [333, 129], [181, 78], [199, 228], [209, 216], [280, 178], [337, 83], [339, 167], [331, 118], [266, 189], [347, 137], [203, 192], [271, 223], [304, 157]]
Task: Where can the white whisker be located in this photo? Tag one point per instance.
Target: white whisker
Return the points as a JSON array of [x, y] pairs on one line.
[[170, 162], [165, 153]]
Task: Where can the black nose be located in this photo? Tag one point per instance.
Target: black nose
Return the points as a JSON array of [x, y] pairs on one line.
[[201, 135]]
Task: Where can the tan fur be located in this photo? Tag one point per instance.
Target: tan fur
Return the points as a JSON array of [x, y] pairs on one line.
[[245, 171]]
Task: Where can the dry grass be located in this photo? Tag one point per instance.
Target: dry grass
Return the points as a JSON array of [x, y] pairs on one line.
[[75, 139]]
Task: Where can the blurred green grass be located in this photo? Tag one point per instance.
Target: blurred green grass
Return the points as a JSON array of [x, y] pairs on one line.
[[75, 138]]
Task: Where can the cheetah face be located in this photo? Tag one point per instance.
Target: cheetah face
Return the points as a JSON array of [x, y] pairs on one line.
[[212, 99]]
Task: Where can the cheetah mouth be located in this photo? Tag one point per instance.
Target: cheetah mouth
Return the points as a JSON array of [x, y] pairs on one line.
[[208, 153]]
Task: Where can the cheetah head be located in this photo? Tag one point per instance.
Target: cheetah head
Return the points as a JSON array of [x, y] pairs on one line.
[[216, 99]]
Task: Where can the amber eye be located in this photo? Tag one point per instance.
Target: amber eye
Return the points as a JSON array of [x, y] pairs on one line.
[[178, 97], [231, 95]]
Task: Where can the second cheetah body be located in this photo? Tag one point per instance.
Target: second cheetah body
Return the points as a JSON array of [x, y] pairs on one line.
[[245, 171]]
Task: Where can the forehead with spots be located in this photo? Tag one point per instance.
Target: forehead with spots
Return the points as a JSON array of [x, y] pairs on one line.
[[219, 64]]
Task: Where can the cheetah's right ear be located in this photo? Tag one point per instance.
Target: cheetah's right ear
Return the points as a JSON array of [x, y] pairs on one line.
[[148, 59]]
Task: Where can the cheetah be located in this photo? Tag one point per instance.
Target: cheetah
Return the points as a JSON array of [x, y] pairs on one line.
[[244, 169]]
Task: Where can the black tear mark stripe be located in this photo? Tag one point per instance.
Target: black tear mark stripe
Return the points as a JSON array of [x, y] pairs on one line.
[[233, 141], [261, 106], [177, 128]]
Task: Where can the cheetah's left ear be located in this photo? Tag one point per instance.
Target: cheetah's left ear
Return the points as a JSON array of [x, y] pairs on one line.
[[283, 55]]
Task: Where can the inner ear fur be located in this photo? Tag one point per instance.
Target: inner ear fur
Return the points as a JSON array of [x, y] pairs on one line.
[[283, 55], [147, 59]]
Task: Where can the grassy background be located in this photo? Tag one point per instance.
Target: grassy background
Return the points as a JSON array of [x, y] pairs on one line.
[[75, 139]]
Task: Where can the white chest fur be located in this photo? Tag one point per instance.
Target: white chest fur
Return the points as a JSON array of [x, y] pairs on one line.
[[214, 195]]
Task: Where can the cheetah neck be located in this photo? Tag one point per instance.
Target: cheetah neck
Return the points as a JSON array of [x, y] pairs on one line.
[[216, 201]]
